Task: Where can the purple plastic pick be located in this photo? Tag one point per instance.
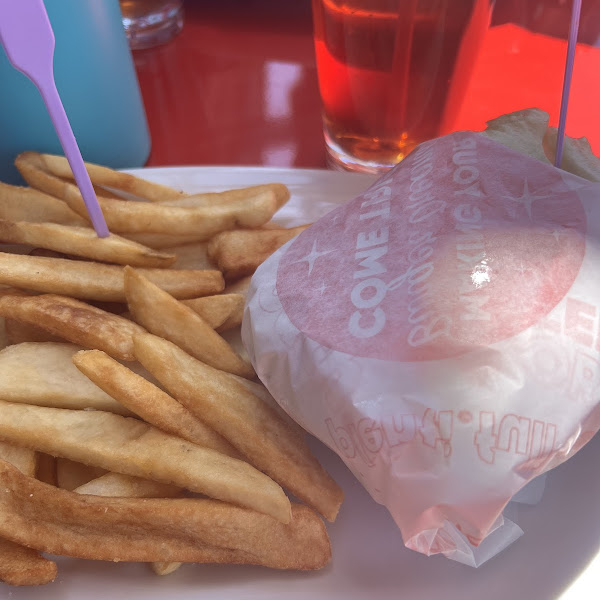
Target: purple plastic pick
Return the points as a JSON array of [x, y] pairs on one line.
[[28, 39], [564, 104]]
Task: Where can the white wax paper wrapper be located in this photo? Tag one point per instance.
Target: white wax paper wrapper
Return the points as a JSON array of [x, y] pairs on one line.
[[440, 333]]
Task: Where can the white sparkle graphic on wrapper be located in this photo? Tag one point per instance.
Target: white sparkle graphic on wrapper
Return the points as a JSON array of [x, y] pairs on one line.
[[526, 200], [312, 256], [321, 289]]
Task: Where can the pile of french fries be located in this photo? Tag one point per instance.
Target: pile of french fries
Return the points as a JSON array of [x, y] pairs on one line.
[[130, 429]]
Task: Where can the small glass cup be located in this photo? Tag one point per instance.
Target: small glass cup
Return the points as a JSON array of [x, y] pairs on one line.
[[151, 23], [392, 73]]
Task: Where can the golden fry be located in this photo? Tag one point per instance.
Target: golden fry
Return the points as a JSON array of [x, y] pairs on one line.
[[75, 321], [20, 565], [163, 315], [281, 192], [117, 485], [82, 241], [191, 256], [221, 312], [128, 446], [94, 281], [259, 390], [28, 204], [181, 529], [146, 217], [240, 252], [44, 374], [23, 459], [253, 427], [18, 332], [203, 222], [100, 176], [149, 402], [23, 566], [162, 241]]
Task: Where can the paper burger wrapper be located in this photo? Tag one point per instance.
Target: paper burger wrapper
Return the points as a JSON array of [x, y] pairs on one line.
[[440, 332]]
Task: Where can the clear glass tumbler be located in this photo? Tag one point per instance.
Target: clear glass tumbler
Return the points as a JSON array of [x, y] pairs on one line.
[[392, 73], [151, 23]]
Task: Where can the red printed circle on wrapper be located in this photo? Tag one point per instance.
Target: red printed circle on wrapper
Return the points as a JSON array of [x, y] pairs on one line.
[[462, 245]]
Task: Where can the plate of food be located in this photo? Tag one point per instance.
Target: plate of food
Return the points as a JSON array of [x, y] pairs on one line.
[[113, 405]]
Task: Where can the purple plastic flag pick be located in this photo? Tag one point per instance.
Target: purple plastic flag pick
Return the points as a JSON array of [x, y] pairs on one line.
[[564, 104], [28, 39]]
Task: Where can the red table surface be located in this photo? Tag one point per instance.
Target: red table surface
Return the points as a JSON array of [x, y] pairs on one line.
[[238, 86]]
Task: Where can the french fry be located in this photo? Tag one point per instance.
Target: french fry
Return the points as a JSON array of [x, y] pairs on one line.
[[94, 281], [163, 315], [128, 446], [28, 204], [151, 530], [203, 222], [49, 253], [18, 332], [82, 241], [191, 256], [75, 321], [20, 565], [149, 402], [23, 459], [33, 170], [117, 485], [71, 474], [259, 390], [240, 252], [102, 176], [44, 374], [253, 427], [46, 468], [102, 191], [282, 194], [221, 312], [146, 217], [161, 241]]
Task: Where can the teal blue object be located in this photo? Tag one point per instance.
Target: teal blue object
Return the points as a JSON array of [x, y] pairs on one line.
[[96, 79]]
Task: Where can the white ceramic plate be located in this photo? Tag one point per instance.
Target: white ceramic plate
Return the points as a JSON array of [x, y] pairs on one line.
[[557, 557]]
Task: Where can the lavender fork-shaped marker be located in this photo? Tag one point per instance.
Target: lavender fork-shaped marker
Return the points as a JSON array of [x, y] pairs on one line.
[[28, 39], [564, 105]]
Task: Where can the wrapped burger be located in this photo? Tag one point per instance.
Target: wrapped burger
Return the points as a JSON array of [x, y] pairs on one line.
[[440, 332]]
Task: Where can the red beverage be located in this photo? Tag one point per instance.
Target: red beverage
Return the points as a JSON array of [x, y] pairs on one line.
[[392, 73]]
